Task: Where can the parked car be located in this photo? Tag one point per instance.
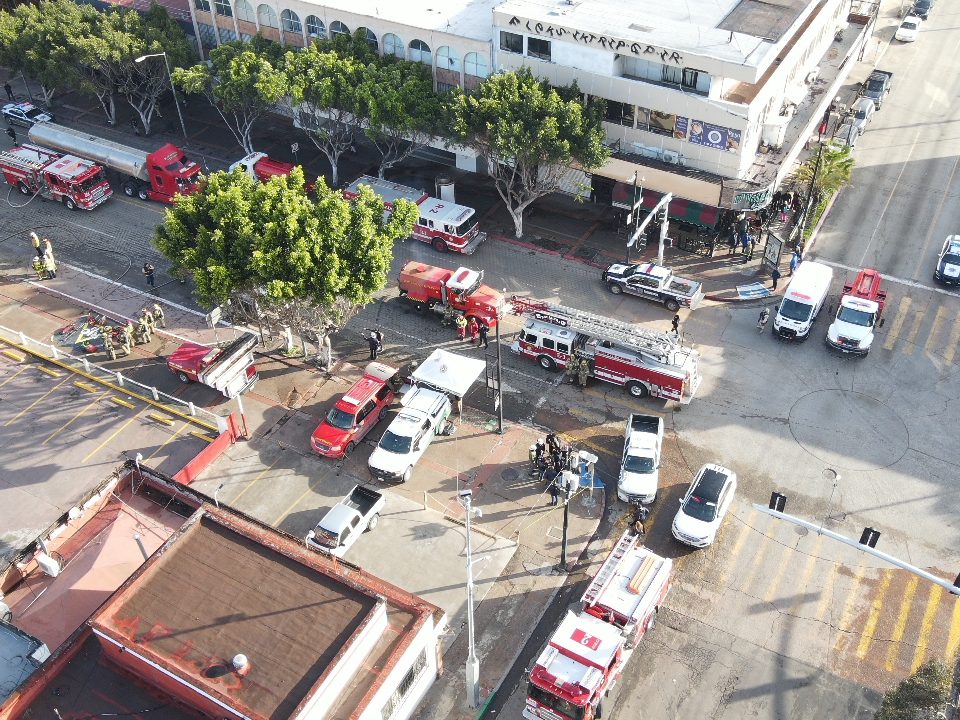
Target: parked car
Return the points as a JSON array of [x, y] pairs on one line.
[[355, 414], [877, 86], [909, 29], [705, 505], [862, 114], [847, 133], [346, 521], [406, 439], [948, 262], [922, 8], [25, 114]]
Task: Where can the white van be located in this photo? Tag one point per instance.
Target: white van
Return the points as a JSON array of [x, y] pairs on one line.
[[803, 300]]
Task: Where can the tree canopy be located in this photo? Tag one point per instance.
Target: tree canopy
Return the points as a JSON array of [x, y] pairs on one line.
[[528, 132]]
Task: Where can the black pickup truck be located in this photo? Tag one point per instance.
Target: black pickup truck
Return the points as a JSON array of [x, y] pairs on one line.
[[877, 86], [653, 282]]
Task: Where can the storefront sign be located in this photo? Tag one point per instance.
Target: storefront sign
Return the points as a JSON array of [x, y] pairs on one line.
[[714, 136], [752, 200], [680, 127]]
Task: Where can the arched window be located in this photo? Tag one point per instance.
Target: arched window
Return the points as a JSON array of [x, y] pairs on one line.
[[291, 22], [244, 11], [370, 38], [447, 59], [338, 28], [203, 5], [393, 45], [267, 16], [223, 8], [476, 64], [420, 52], [315, 27]]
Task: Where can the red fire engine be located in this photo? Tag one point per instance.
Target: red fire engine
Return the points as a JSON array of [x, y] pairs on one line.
[[75, 182], [444, 225], [436, 289], [587, 654], [646, 362]]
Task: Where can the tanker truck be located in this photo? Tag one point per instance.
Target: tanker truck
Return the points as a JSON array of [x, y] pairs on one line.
[[157, 175]]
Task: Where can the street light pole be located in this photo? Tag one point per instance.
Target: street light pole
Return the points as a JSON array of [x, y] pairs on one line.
[[173, 89], [473, 662], [499, 382]]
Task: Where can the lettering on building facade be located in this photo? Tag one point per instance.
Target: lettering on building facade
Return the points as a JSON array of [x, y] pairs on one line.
[[592, 39]]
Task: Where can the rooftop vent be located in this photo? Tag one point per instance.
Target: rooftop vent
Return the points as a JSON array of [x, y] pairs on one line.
[[241, 664]]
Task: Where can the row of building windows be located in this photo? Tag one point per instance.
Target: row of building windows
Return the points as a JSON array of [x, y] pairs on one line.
[[672, 125]]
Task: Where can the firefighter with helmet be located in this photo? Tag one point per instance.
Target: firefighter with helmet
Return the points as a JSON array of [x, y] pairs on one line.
[[158, 316], [573, 365], [583, 372]]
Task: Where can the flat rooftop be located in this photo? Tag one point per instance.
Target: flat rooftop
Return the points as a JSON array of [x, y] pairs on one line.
[[213, 592], [20, 656], [466, 18]]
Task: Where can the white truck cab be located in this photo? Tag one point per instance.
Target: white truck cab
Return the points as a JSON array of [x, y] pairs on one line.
[[640, 469], [423, 415]]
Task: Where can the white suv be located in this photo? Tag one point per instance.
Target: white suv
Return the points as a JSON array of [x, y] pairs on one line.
[[423, 416], [704, 506]]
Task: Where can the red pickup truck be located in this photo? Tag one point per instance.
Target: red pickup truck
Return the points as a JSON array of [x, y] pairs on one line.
[[229, 369]]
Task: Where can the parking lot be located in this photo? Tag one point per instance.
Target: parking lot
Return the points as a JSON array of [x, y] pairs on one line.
[[62, 434]]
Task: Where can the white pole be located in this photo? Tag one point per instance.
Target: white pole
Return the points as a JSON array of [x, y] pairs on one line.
[[473, 662]]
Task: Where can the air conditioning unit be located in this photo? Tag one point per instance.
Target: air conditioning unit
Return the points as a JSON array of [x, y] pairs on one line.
[[671, 156]]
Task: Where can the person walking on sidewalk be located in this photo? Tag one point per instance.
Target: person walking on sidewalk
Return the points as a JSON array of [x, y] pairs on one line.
[[775, 276], [6, 86], [374, 345], [148, 271], [675, 325], [795, 259], [484, 331], [12, 134], [461, 323]]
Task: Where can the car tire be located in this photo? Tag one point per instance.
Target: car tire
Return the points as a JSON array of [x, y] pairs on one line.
[[672, 305], [69, 204], [615, 289], [129, 189], [374, 521], [182, 377], [351, 446], [637, 389], [407, 474], [547, 363], [439, 245], [142, 192]]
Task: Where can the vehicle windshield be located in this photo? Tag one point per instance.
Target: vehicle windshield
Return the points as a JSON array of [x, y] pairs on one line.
[[466, 227], [557, 704], [907, 25], [699, 509], [855, 317], [340, 418], [861, 115], [33, 113], [951, 259], [391, 442], [923, 4], [793, 310], [875, 85], [636, 464]]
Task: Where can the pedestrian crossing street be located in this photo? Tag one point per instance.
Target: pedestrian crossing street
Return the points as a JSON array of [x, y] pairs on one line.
[[818, 600], [922, 323]]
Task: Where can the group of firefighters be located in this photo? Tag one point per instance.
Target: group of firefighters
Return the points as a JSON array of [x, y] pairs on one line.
[[578, 370], [133, 334], [44, 264]]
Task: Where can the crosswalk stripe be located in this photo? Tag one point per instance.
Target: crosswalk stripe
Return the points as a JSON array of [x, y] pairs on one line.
[[808, 568], [756, 564], [852, 596], [786, 560], [826, 595], [926, 627], [911, 339], [894, 332], [893, 649], [745, 528], [951, 348], [931, 347], [870, 627], [953, 639]]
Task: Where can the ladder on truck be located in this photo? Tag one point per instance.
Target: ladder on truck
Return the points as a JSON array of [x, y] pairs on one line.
[[661, 344], [609, 568], [18, 162]]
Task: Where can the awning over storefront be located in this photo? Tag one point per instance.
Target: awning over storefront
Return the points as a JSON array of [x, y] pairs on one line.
[[697, 189], [680, 209]]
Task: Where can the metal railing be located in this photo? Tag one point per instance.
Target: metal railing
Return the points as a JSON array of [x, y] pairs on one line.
[[112, 378]]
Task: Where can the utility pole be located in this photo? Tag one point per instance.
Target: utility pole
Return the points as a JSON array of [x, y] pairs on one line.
[[473, 662], [813, 182], [634, 216], [499, 381]]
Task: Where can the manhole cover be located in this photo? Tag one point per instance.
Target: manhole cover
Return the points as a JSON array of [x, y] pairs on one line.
[[509, 474]]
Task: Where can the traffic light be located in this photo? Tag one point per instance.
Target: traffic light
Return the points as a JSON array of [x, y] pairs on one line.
[[869, 537], [778, 501]]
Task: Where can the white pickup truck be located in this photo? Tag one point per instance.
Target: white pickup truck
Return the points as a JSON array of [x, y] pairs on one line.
[[640, 469], [346, 521], [424, 416]]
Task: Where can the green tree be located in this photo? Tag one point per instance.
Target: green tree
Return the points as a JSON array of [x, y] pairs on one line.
[[528, 133], [327, 102], [826, 172], [241, 83], [288, 260], [922, 696], [102, 51], [402, 109]]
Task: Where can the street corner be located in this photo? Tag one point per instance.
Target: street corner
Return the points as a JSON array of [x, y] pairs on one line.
[[293, 383]]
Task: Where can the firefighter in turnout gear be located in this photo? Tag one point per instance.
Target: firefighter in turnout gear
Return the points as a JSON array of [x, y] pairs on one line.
[[126, 343], [573, 364], [128, 339], [108, 343], [583, 372], [141, 332], [147, 317], [158, 317]]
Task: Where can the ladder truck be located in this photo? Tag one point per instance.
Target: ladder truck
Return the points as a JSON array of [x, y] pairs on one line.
[[75, 182], [586, 655], [645, 362]]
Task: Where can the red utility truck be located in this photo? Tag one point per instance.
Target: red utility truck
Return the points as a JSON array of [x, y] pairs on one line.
[[75, 182], [585, 657], [462, 290], [444, 225], [860, 311], [159, 175], [646, 362], [229, 369], [260, 167]]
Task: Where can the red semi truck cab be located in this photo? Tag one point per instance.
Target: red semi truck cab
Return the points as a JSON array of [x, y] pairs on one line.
[[171, 173], [462, 289], [229, 369], [75, 182]]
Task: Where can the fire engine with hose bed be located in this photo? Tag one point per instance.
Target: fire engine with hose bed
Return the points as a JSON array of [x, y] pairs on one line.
[[586, 655], [75, 182], [646, 362], [450, 291], [159, 175]]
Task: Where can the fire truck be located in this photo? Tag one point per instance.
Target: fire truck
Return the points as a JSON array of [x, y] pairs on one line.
[[646, 362], [444, 225], [229, 369], [159, 175], [75, 182], [438, 289], [585, 656]]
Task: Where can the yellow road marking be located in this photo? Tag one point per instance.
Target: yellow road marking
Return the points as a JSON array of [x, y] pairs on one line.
[[201, 436], [870, 627], [14, 375], [787, 560], [161, 418], [756, 563], [126, 404], [826, 595], [254, 481], [849, 605], [112, 435], [893, 649], [85, 386], [952, 343], [172, 436], [931, 345], [48, 371], [14, 355], [800, 588], [745, 528], [912, 335], [75, 417], [926, 627], [953, 639], [898, 321], [35, 402]]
